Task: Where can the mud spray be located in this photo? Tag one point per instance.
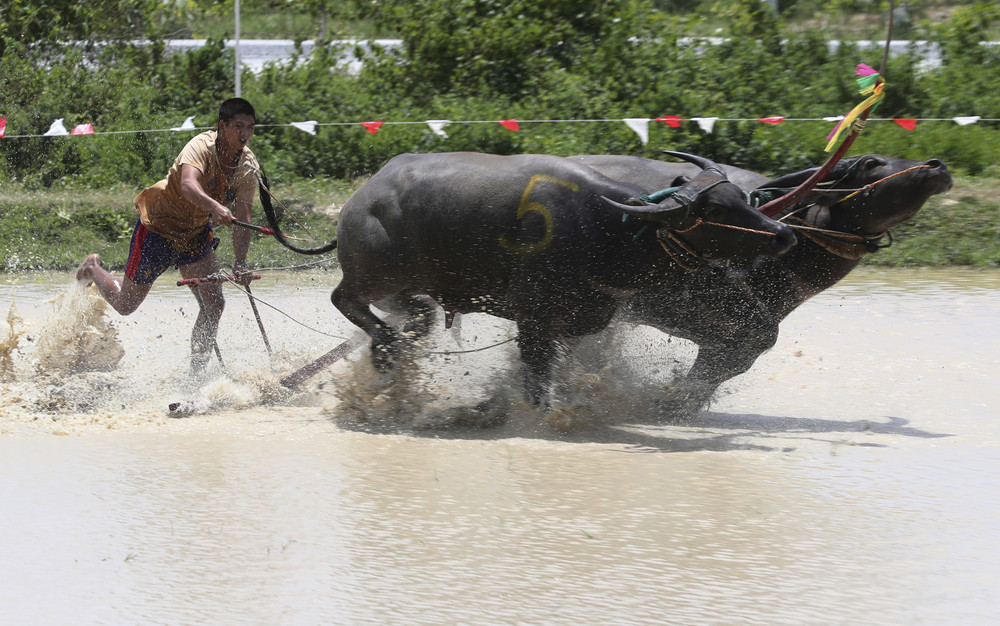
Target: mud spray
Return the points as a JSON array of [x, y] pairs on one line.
[[71, 367]]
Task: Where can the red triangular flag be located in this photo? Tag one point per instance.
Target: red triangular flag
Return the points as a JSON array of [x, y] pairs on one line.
[[673, 121], [774, 119], [83, 129], [510, 124], [908, 124], [372, 127], [3, 126]]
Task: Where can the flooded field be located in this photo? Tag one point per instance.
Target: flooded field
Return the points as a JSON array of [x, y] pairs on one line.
[[849, 477]]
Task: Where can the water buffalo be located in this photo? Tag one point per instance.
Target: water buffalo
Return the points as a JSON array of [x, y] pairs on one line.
[[732, 311], [540, 240]]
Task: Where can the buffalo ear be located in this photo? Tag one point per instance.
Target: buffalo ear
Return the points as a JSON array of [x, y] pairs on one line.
[[789, 180], [680, 181]]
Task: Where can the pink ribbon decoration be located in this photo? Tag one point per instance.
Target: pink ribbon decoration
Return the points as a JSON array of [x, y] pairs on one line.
[[864, 70]]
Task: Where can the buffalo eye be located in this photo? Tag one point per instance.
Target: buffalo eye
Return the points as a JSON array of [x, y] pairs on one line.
[[873, 162]]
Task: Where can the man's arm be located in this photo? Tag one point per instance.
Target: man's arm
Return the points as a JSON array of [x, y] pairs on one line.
[[241, 236], [192, 190]]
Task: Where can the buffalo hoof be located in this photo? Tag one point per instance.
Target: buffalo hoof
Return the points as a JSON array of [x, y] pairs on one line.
[[487, 414], [491, 412], [385, 350], [681, 403], [418, 327]]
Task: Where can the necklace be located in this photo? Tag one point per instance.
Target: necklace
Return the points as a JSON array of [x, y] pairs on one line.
[[227, 169]]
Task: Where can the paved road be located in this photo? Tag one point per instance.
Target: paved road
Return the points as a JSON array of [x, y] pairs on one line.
[[255, 53]]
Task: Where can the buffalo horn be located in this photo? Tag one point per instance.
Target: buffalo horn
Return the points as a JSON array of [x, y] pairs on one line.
[[647, 210], [702, 162]]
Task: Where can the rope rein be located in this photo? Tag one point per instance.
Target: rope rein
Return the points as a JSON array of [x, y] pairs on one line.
[[850, 246]]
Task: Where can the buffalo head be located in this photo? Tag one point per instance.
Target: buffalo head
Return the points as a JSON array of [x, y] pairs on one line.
[[711, 218], [870, 194]]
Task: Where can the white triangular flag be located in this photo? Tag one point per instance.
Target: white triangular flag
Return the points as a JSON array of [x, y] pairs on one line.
[[706, 124], [437, 125], [57, 128], [965, 121], [187, 125], [835, 118], [640, 125], [308, 127]]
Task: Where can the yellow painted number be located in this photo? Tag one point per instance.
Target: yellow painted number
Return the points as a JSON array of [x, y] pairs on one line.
[[527, 206]]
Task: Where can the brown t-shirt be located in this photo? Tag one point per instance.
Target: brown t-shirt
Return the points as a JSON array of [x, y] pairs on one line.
[[164, 210]]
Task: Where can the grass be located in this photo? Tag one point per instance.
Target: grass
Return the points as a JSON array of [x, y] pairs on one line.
[[294, 23], [56, 229]]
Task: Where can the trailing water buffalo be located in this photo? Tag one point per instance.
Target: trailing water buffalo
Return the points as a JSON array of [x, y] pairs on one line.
[[531, 238], [732, 311]]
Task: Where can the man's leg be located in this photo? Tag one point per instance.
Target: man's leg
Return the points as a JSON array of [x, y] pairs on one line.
[[213, 302], [123, 295]]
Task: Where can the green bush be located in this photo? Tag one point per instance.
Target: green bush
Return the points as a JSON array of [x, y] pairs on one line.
[[524, 60]]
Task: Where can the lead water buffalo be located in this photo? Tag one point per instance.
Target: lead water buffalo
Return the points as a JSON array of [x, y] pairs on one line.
[[732, 311], [541, 240]]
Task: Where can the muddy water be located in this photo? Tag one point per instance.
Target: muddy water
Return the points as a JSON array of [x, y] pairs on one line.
[[850, 477]]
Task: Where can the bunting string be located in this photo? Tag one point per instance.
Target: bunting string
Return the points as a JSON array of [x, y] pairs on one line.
[[639, 125]]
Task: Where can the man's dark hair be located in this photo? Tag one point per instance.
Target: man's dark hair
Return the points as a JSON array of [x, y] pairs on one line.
[[233, 107]]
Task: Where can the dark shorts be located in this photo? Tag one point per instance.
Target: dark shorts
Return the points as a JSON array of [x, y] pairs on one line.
[[151, 254]]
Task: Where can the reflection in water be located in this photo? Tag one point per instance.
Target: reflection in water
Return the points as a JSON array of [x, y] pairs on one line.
[[847, 478]]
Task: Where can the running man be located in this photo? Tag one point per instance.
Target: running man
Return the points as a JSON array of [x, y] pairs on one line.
[[176, 215]]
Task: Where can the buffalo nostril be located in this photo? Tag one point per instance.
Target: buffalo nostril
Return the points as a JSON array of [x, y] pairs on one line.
[[785, 239], [936, 163]]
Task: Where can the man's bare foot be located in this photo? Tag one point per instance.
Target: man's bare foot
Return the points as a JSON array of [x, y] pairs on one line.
[[86, 270]]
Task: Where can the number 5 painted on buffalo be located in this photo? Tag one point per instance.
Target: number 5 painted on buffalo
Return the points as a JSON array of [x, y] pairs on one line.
[[527, 206]]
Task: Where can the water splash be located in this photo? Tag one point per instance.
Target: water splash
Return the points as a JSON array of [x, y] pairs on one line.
[[78, 337], [9, 343]]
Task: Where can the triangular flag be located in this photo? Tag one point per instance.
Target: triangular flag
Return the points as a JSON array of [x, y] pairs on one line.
[[510, 124], [705, 123], [834, 118], [308, 127], [673, 121], [907, 123], [961, 121], [83, 129], [640, 125], [187, 125], [57, 128], [372, 127], [774, 119], [3, 126], [437, 126]]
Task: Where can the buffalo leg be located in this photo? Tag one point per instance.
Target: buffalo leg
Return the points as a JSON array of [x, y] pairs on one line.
[[384, 340], [720, 361], [538, 352], [416, 310]]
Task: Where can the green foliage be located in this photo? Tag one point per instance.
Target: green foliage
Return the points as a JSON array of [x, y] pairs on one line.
[[947, 231], [43, 25], [485, 60]]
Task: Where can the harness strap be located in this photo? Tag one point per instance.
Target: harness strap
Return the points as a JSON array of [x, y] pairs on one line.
[[679, 252], [844, 245]]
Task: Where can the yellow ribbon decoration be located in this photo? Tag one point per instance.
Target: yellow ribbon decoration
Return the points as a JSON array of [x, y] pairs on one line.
[[878, 92]]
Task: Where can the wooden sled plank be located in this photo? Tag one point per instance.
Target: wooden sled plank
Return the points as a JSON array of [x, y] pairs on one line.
[[308, 371]]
